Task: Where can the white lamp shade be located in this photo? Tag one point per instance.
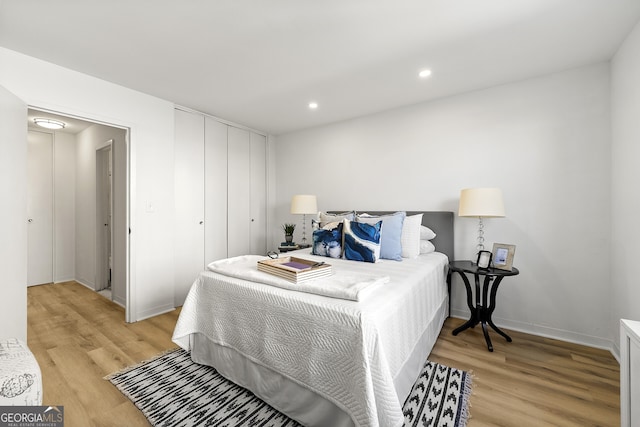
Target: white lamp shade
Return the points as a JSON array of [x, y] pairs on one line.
[[304, 204], [481, 202]]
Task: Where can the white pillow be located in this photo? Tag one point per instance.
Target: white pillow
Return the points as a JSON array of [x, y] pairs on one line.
[[325, 218], [426, 233], [331, 225], [426, 247], [410, 237]]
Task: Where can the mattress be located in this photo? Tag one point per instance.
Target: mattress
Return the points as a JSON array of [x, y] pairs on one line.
[[321, 360]]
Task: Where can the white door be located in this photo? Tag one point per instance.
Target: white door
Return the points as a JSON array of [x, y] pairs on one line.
[[239, 192], [40, 208], [258, 194], [104, 213], [13, 215], [189, 201], [215, 187]]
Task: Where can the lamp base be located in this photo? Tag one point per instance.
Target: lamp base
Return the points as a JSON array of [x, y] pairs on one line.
[[304, 243], [480, 246]]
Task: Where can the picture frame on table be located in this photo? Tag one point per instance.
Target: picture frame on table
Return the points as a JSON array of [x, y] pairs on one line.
[[503, 256], [484, 260]]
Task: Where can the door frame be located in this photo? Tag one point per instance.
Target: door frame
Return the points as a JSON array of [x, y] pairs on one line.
[[130, 315], [100, 255]]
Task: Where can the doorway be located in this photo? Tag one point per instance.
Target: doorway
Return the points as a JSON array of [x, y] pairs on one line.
[[89, 179]]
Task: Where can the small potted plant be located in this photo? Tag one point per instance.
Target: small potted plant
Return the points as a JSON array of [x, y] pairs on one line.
[[288, 232]]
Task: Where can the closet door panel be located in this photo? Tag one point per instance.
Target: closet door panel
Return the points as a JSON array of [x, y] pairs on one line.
[[40, 208], [189, 200], [239, 190], [258, 194], [215, 224]]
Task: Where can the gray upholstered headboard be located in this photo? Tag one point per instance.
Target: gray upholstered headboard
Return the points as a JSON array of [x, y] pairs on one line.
[[441, 222]]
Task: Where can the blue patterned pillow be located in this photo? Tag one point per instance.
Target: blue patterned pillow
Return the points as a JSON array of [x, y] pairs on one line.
[[362, 241], [390, 241], [328, 242]]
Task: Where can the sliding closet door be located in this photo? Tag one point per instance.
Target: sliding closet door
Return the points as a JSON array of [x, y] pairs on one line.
[[215, 187], [40, 208], [258, 194], [189, 201], [239, 187]]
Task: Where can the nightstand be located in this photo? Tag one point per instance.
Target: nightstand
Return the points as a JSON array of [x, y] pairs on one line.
[[480, 312]]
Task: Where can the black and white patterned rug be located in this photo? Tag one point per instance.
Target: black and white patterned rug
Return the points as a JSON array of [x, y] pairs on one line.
[[171, 390]]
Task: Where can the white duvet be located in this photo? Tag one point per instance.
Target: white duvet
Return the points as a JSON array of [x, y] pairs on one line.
[[346, 351], [342, 284]]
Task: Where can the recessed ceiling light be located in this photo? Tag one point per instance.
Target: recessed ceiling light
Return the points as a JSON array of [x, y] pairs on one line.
[[49, 123], [313, 105], [424, 74]]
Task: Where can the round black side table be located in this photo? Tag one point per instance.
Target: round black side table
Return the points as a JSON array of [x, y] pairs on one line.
[[480, 313]]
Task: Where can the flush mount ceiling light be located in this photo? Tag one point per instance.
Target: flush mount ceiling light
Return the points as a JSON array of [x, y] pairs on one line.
[[424, 74], [313, 105], [49, 123]]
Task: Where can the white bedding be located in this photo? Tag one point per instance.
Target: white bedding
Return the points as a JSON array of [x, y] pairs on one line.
[[341, 284], [359, 355]]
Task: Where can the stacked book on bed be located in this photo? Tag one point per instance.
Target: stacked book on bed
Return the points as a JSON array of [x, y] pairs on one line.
[[296, 270]]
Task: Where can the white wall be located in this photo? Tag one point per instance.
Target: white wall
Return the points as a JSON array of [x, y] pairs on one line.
[[151, 122], [64, 170], [13, 216], [625, 197], [544, 141]]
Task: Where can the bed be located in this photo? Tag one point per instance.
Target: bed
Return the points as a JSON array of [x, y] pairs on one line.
[[321, 360]]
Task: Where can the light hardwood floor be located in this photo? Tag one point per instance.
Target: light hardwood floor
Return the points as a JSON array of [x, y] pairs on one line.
[[78, 337], [533, 381]]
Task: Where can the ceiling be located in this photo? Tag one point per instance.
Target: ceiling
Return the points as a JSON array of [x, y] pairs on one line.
[[260, 62]]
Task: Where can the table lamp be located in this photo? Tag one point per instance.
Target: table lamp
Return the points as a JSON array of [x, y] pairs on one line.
[[304, 204], [481, 203]]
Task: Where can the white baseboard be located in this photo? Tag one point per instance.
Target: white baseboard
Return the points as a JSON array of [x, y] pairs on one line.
[[547, 332], [615, 350], [83, 283], [120, 302], [152, 312]]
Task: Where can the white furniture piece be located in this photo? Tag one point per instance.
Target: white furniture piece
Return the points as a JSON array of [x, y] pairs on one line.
[[629, 373], [20, 377]]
